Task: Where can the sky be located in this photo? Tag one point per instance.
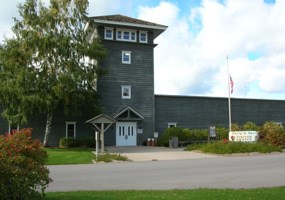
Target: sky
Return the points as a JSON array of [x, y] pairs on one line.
[[191, 56]]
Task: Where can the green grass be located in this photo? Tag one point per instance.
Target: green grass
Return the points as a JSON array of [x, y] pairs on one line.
[[57, 156], [212, 194], [234, 147]]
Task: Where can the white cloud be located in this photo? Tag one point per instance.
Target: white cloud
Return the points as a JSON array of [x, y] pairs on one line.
[[195, 64], [190, 58]]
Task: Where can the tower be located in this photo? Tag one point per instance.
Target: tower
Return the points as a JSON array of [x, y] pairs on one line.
[[127, 88]]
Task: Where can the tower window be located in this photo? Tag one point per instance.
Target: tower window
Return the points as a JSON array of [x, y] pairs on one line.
[[126, 57], [143, 37], [126, 92], [108, 33]]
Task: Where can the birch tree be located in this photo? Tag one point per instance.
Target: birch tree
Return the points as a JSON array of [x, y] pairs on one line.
[[49, 63]]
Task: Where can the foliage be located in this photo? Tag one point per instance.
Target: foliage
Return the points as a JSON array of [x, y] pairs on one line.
[[213, 194], [235, 127], [222, 132], [183, 134], [107, 157], [273, 134], [76, 142], [250, 126], [23, 174], [57, 156], [51, 62], [226, 147]]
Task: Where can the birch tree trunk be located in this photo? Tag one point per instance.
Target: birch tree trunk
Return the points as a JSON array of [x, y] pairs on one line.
[[48, 128]]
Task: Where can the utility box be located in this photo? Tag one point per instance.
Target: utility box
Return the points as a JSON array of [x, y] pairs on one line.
[[173, 142]]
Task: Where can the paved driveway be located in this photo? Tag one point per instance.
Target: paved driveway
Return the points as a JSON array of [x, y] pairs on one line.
[[146, 153]]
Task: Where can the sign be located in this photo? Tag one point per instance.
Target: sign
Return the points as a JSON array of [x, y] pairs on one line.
[[243, 136], [212, 131]]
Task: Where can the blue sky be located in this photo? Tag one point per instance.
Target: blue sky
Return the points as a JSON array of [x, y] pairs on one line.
[[190, 58]]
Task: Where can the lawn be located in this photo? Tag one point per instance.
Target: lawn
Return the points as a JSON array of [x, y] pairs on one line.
[[57, 156], [220, 194]]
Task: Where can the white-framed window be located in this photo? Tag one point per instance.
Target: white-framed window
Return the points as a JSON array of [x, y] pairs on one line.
[[108, 35], [126, 35], [143, 36], [126, 57], [172, 124], [70, 129], [126, 91]]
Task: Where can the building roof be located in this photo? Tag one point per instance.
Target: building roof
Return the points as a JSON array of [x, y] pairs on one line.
[[126, 19], [122, 20]]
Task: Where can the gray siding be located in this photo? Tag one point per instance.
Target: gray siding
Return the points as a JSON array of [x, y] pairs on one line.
[[139, 75], [200, 112]]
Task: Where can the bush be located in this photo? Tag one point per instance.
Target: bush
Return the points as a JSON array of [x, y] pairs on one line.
[[110, 157], [76, 142], [68, 142], [183, 134], [222, 133], [22, 163], [273, 133], [226, 147], [250, 126]]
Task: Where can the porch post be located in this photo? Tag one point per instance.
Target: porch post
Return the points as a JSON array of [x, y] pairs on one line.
[[102, 137]]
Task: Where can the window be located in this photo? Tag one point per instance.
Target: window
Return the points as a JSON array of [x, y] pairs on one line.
[[171, 124], [126, 35], [143, 37], [126, 92], [71, 129], [108, 33], [126, 57]]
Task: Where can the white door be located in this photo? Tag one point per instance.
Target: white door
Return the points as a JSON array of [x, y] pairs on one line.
[[126, 134]]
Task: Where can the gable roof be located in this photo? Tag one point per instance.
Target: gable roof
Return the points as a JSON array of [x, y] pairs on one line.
[[130, 22], [128, 114]]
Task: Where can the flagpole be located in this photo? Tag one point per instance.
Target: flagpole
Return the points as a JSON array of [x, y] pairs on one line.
[[229, 100]]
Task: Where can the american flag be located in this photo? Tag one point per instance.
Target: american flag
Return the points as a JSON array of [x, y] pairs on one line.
[[231, 85]]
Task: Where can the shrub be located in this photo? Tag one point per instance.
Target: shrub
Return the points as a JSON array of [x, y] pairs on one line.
[[226, 147], [235, 127], [107, 157], [183, 134], [76, 142], [250, 126], [273, 134], [222, 132], [22, 163], [68, 142]]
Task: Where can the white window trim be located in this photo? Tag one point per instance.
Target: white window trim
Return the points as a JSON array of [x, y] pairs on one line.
[[66, 129], [130, 60], [105, 33], [146, 37], [130, 35], [129, 89], [172, 124]]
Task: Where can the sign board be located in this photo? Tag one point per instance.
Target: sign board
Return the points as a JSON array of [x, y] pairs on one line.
[[212, 131], [243, 136]]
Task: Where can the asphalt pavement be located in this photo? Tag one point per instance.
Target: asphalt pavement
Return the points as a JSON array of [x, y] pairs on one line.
[[152, 169]]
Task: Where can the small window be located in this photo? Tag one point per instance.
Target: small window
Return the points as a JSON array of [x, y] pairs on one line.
[[126, 92], [71, 129], [126, 35], [126, 57], [171, 124], [108, 33], [143, 37], [119, 35]]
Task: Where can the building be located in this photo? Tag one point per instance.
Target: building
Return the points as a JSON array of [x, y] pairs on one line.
[[127, 93]]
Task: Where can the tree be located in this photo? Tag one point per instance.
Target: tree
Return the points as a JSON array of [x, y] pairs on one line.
[[52, 61]]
